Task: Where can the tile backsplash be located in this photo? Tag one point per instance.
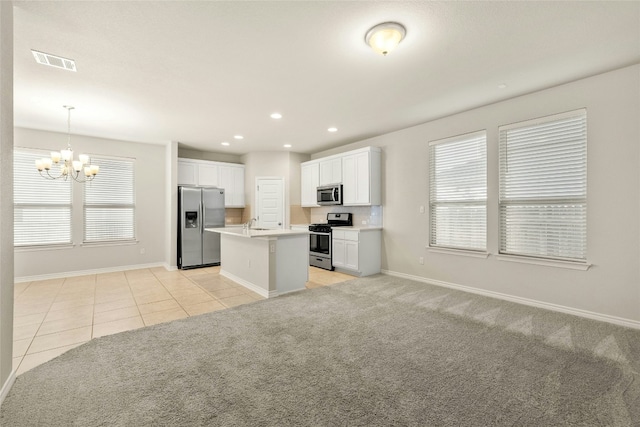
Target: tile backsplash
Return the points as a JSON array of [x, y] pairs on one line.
[[371, 215], [362, 215], [233, 216], [299, 215]]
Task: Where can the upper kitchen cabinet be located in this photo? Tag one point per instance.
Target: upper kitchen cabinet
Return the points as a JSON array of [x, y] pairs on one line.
[[232, 180], [330, 171], [229, 176], [309, 182], [208, 175], [187, 172], [359, 171], [361, 177]]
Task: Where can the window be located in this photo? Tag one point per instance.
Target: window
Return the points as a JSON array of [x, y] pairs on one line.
[[543, 187], [42, 207], [109, 202], [458, 192]]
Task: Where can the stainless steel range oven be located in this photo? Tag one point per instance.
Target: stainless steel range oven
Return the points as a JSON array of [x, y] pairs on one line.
[[320, 239]]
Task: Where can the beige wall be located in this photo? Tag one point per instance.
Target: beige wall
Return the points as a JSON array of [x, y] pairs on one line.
[[6, 201], [151, 210], [271, 164], [611, 287], [171, 226], [207, 155]]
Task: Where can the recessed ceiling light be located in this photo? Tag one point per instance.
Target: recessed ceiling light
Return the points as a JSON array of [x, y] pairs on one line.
[[276, 116], [287, 145], [226, 144], [332, 129], [54, 61], [502, 86], [238, 137]]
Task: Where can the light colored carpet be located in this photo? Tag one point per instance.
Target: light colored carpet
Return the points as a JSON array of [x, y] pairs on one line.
[[375, 351]]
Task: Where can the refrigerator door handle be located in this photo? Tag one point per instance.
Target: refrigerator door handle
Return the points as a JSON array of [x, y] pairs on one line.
[[202, 219]]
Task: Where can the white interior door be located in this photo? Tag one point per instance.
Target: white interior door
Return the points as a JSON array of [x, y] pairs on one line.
[[270, 202]]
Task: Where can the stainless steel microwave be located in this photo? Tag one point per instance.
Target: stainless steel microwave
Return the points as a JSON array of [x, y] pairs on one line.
[[330, 195]]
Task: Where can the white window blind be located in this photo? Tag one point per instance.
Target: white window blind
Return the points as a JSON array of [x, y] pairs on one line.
[[42, 207], [543, 187], [109, 202], [458, 192]]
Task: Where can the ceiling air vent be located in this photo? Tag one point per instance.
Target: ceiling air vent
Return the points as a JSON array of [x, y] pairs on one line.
[[54, 61]]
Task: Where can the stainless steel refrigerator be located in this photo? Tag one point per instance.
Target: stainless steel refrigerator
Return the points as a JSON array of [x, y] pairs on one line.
[[199, 208]]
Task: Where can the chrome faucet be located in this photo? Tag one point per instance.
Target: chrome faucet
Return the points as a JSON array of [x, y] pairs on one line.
[[249, 224]]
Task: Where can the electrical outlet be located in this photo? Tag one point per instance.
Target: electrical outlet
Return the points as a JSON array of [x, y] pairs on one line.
[[248, 263], [272, 248], [421, 209], [142, 251], [421, 260], [364, 222]]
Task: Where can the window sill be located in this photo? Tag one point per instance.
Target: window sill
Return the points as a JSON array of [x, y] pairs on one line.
[[114, 243], [582, 266], [42, 248], [462, 252]]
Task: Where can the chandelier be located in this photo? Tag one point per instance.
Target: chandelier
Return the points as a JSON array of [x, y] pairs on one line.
[[79, 169]]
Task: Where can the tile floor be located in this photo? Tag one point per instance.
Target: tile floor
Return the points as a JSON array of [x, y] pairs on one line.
[[53, 316]]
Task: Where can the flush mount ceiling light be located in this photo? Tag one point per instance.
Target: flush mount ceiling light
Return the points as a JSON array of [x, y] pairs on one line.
[[54, 61], [238, 137], [276, 116], [383, 38], [225, 143], [64, 160], [287, 145], [332, 129]]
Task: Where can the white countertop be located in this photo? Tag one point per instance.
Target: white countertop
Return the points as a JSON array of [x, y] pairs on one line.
[[361, 228], [243, 232]]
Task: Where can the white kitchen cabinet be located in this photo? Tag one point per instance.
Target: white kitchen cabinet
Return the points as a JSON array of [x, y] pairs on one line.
[[208, 175], [309, 182], [187, 173], [356, 251], [359, 171], [331, 171], [229, 176], [361, 177], [338, 253]]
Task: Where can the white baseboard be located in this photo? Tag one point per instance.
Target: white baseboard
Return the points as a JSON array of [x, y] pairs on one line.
[[87, 272], [629, 323], [170, 267], [4, 391], [255, 288]]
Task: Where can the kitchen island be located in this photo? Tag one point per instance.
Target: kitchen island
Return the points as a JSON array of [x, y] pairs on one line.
[[269, 262]]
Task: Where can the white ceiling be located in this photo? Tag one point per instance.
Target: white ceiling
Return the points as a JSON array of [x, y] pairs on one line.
[[201, 72]]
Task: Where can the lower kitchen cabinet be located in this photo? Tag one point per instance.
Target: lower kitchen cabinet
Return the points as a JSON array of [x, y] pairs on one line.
[[356, 251]]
